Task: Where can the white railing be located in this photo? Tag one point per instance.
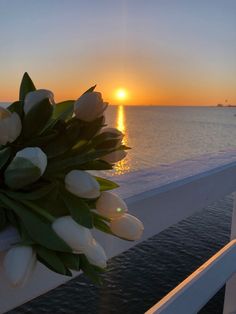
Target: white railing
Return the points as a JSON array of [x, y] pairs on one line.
[[162, 197]]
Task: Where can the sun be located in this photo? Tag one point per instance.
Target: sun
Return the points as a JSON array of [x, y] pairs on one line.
[[121, 94]]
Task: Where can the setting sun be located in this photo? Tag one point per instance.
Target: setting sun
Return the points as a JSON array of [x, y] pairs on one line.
[[121, 94]]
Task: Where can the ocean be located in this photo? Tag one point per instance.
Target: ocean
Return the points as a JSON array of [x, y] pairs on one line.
[[140, 277], [162, 135]]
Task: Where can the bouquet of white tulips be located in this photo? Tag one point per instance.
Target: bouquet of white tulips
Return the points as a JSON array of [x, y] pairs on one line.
[[47, 192]]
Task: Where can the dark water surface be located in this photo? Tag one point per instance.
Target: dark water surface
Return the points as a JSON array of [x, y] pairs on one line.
[[140, 277]]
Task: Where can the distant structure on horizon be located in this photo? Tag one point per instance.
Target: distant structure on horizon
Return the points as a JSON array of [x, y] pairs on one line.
[[226, 104]]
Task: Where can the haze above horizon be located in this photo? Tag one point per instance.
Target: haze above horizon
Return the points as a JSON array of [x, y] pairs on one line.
[[159, 52]]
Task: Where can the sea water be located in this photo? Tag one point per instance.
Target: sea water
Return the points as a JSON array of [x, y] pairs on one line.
[[162, 135]]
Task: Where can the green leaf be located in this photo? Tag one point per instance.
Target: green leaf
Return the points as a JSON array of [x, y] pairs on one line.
[[101, 225], [89, 270], [64, 110], [40, 231], [90, 129], [33, 195], [4, 156], [51, 260], [79, 209], [18, 107], [90, 90], [37, 118], [20, 173], [104, 136], [106, 184], [12, 218], [26, 86], [96, 165], [73, 163], [64, 141], [3, 219], [53, 204], [40, 141], [71, 261]]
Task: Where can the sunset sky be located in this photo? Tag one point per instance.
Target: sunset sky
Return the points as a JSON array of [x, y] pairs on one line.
[[163, 52]]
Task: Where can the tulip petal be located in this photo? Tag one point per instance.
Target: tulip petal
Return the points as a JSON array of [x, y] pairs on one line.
[[82, 184], [19, 263], [96, 255], [75, 235], [127, 227], [111, 205]]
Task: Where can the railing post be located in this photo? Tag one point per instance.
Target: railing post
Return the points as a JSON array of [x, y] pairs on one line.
[[230, 291]]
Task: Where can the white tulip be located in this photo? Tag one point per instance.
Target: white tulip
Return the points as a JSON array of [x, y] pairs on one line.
[[75, 235], [111, 205], [96, 255], [19, 263], [89, 106], [127, 227], [33, 98], [34, 155], [10, 126], [82, 184], [117, 134], [114, 156]]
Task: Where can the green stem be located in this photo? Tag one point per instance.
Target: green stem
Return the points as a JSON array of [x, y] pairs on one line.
[[39, 210]]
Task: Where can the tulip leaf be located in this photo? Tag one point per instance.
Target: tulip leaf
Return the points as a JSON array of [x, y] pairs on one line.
[[64, 141], [70, 260], [96, 165], [40, 231], [20, 173], [37, 118], [79, 209], [90, 270], [12, 218], [64, 110], [100, 224], [90, 90], [50, 259], [90, 129], [105, 136], [18, 107], [33, 195], [106, 184], [42, 140], [5, 154], [75, 162], [3, 219], [26, 86]]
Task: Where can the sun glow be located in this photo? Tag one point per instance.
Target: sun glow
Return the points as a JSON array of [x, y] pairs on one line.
[[121, 94]]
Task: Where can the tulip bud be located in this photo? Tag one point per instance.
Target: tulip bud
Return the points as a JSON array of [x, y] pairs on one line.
[[111, 205], [127, 227], [117, 134], [34, 155], [10, 126], [89, 106], [33, 98], [96, 255], [75, 235], [82, 184], [114, 156], [19, 263], [27, 167]]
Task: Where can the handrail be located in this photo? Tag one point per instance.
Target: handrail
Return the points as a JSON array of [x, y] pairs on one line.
[[195, 291]]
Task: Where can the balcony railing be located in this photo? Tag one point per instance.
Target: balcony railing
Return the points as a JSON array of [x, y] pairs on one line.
[[162, 197]]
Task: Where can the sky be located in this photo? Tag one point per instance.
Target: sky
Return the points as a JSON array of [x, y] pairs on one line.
[[162, 52]]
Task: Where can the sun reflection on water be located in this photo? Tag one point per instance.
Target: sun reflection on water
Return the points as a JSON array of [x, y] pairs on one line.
[[122, 166]]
